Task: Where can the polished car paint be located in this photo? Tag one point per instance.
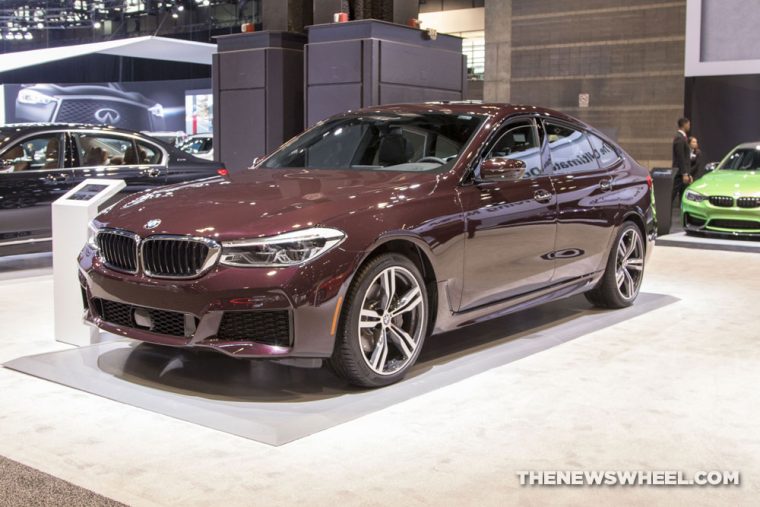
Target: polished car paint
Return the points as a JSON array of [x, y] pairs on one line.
[[26, 195], [485, 248]]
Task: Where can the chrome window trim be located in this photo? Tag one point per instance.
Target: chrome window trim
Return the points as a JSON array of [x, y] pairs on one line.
[[25, 241], [75, 130], [133, 137], [60, 132]]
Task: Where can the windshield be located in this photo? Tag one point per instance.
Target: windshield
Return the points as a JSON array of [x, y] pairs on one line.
[[380, 141], [743, 159]]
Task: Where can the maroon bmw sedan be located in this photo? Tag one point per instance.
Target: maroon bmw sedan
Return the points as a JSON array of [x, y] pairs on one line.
[[359, 239]]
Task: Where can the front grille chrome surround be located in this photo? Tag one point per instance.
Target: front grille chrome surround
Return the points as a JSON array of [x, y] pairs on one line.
[[119, 249], [177, 257], [158, 256]]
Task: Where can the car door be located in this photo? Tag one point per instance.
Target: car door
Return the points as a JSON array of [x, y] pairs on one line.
[[510, 225], [587, 205], [120, 156], [32, 176]]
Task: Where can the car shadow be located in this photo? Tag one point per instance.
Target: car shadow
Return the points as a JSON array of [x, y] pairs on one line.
[[214, 376]]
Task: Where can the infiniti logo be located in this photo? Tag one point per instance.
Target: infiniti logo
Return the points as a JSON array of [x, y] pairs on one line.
[[107, 115], [152, 224]]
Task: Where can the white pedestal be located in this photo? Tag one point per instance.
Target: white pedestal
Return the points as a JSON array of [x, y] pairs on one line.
[[71, 215]]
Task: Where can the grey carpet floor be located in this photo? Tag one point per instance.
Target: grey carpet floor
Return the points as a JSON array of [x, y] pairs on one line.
[[21, 485]]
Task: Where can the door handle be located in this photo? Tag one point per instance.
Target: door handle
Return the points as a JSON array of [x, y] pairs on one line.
[[605, 184], [542, 195], [57, 178], [154, 172]]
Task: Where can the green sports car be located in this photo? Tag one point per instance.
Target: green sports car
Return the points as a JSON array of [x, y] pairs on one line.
[[727, 199]]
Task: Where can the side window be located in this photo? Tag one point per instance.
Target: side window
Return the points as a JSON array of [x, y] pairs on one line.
[[35, 153], [604, 153], [98, 150], [148, 153], [570, 149], [519, 143]]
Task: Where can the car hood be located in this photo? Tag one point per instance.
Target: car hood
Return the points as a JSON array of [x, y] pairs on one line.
[[726, 182], [265, 202]]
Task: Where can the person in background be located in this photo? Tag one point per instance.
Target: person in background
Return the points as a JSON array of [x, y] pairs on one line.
[[697, 166], [681, 159]]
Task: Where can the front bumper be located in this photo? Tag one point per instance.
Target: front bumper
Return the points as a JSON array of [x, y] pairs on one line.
[[706, 218], [195, 313]]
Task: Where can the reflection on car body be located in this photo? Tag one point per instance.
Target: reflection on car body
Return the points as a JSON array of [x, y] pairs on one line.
[[39, 163], [361, 237]]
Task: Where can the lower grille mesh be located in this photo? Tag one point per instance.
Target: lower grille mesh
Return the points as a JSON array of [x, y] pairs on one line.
[[735, 224], [161, 321], [269, 327]]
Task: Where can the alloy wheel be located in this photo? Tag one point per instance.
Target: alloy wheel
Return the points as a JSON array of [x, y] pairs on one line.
[[630, 264], [391, 320]]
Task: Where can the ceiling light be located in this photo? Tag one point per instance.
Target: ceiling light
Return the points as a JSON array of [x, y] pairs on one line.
[[97, 24], [18, 36], [28, 36]]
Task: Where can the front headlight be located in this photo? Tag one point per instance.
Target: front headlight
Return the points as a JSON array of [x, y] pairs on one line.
[[289, 249], [92, 237], [694, 196], [34, 97], [157, 110]]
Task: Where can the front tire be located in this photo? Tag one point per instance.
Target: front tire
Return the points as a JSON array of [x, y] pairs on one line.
[[383, 323], [622, 277]]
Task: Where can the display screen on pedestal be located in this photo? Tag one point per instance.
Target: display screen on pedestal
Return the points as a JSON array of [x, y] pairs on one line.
[[87, 192]]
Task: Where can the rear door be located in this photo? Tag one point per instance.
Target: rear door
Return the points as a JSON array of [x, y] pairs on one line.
[[120, 156], [583, 174], [32, 176]]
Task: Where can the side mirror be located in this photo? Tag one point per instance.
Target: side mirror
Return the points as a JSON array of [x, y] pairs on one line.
[[711, 167], [502, 169]]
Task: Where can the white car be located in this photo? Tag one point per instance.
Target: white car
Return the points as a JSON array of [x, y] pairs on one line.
[[199, 145]]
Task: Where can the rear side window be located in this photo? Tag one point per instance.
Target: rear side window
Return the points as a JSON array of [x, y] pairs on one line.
[[604, 153], [34, 153], [100, 150], [570, 149]]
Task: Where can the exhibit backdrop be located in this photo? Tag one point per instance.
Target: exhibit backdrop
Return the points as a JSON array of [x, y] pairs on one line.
[[181, 105]]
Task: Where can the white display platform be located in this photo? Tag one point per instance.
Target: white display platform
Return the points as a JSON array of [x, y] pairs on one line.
[[276, 404], [71, 215]]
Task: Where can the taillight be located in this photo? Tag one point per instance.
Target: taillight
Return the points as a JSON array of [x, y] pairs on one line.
[[649, 181], [222, 171]]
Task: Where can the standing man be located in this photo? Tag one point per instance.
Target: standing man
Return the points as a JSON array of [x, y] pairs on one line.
[[681, 159]]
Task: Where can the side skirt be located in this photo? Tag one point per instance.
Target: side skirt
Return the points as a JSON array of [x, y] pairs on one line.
[[448, 321]]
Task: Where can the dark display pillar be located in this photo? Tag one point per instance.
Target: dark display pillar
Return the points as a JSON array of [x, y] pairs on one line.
[[287, 15], [364, 63], [258, 94]]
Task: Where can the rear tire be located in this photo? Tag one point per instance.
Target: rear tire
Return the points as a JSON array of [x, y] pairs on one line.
[[383, 323], [622, 277]]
